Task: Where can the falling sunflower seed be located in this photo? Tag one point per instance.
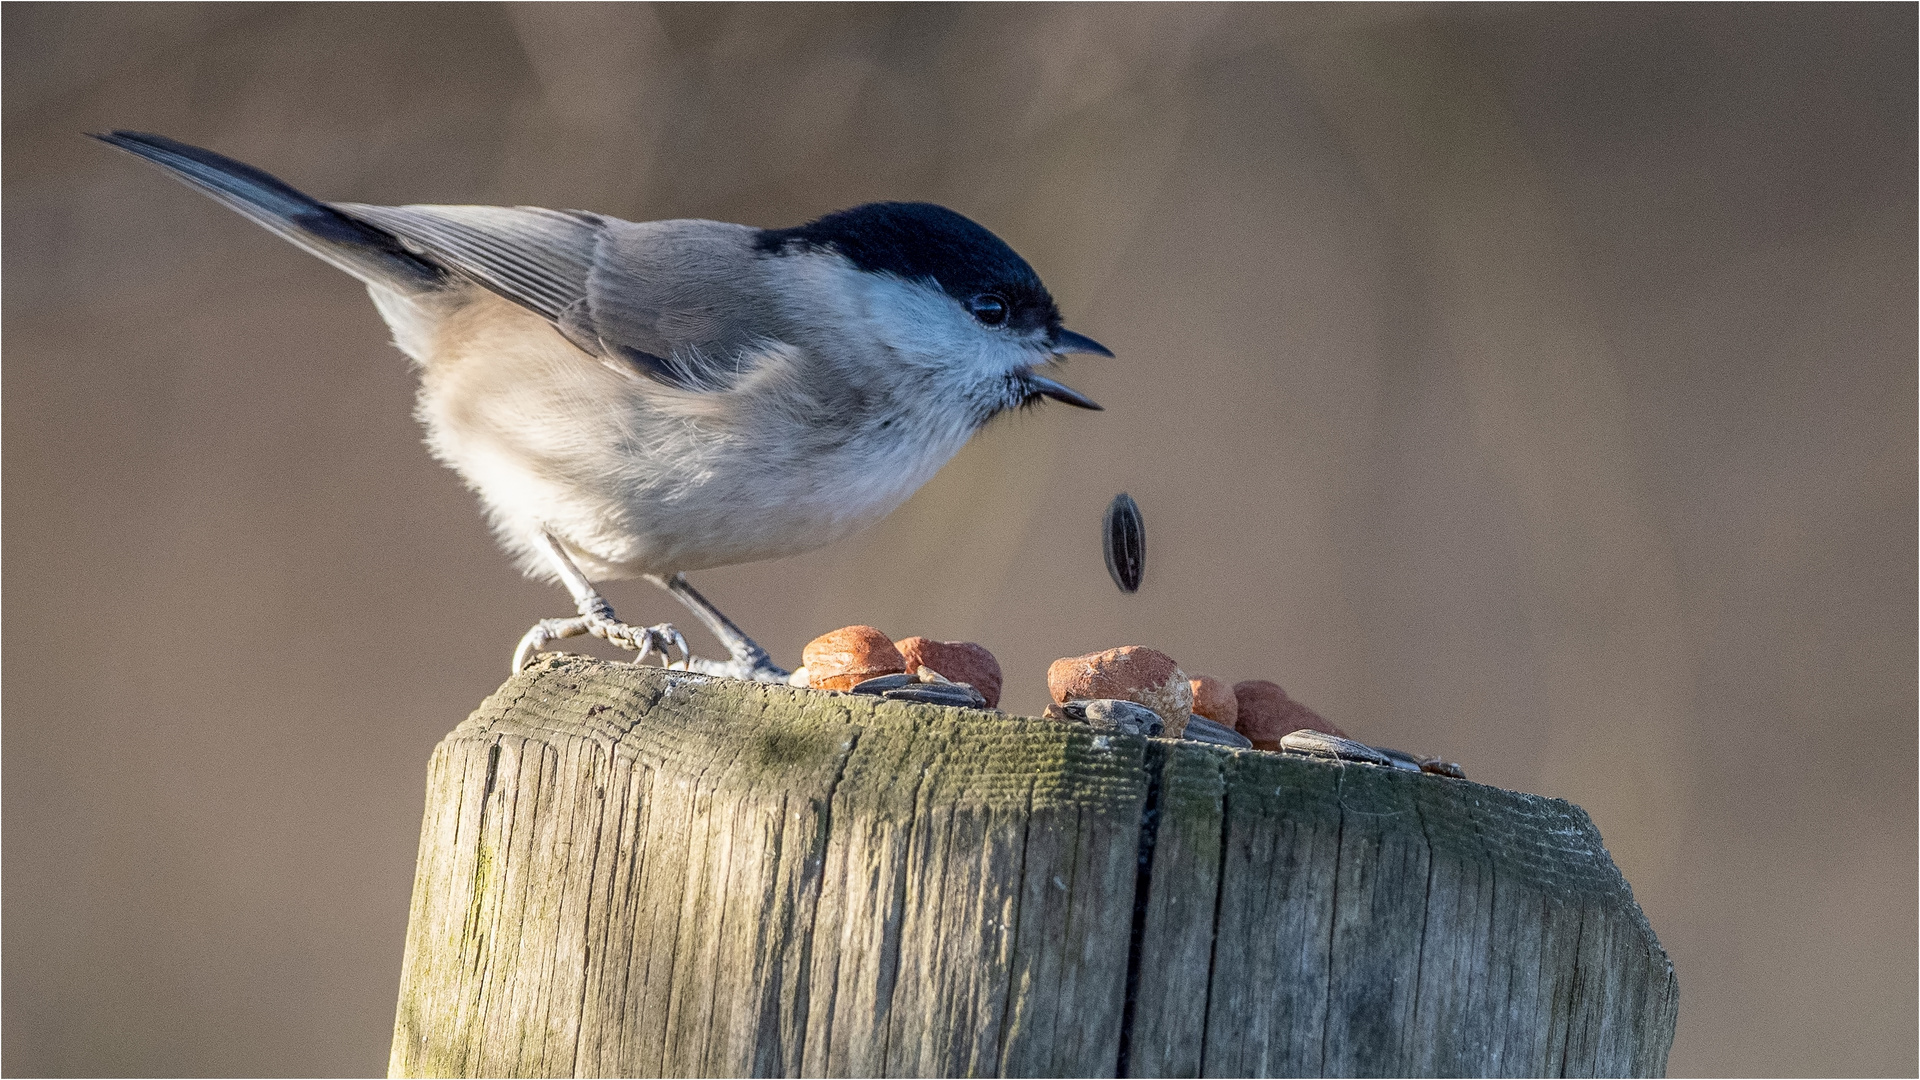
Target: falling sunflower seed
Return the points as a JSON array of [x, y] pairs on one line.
[[1124, 533]]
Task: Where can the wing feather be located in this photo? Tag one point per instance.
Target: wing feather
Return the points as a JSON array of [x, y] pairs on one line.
[[535, 257], [666, 298]]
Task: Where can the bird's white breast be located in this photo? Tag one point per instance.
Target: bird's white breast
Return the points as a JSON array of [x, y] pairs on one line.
[[639, 478]]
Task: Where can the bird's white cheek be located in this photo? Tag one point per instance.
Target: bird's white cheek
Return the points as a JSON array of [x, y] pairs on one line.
[[969, 352]]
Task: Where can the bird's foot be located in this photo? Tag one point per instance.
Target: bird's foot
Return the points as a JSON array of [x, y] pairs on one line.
[[597, 619], [544, 631], [752, 668], [745, 659], [644, 640]]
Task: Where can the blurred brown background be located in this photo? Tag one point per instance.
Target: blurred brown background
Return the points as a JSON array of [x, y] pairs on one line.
[[1530, 385]]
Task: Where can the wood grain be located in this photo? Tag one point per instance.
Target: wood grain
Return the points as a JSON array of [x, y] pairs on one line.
[[626, 871]]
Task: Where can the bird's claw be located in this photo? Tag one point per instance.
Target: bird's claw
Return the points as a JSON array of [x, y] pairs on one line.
[[644, 640], [544, 631], [597, 618], [752, 669], [599, 621]]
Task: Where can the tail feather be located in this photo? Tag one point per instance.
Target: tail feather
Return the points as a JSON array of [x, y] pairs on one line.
[[373, 255]]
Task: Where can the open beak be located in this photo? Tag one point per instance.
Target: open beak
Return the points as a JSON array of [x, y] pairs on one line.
[[1066, 341], [1041, 386]]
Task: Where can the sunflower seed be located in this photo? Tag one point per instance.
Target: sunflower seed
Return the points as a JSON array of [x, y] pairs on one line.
[[1127, 716], [1401, 760], [880, 684], [1124, 535], [954, 694], [1201, 729], [1320, 744]]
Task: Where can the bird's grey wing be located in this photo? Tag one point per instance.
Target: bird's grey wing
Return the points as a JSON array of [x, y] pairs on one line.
[[663, 298], [536, 258], [686, 292]]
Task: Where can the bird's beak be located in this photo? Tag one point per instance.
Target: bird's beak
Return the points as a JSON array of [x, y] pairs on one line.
[[1042, 386], [1066, 341]]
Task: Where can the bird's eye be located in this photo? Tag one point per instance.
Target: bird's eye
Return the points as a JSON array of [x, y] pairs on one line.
[[990, 309]]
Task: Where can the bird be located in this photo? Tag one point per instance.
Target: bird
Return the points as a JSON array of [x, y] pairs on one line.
[[649, 399]]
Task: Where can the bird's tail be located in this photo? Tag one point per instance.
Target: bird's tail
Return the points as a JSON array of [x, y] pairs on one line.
[[368, 253]]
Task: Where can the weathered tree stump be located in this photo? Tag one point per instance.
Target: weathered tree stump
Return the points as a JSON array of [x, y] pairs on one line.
[[628, 871]]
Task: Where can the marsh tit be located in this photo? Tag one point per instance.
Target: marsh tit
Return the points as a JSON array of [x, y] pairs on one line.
[[644, 399]]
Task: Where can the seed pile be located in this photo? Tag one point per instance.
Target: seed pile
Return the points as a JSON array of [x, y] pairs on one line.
[[1131, 690]]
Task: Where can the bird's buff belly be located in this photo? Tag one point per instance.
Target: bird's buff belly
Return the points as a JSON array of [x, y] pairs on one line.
[[717, 521], [681, 511], [634, 483]]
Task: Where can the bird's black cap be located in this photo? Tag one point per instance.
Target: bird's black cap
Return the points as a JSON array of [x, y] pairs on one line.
[[921, 241]]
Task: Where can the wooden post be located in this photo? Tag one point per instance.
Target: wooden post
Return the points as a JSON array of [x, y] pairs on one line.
[[629, 871]]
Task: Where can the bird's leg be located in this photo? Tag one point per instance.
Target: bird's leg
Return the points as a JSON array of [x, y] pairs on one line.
[[596, 617], [749, 660]]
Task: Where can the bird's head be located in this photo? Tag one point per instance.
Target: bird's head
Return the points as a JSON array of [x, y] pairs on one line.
[[944, 294]]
